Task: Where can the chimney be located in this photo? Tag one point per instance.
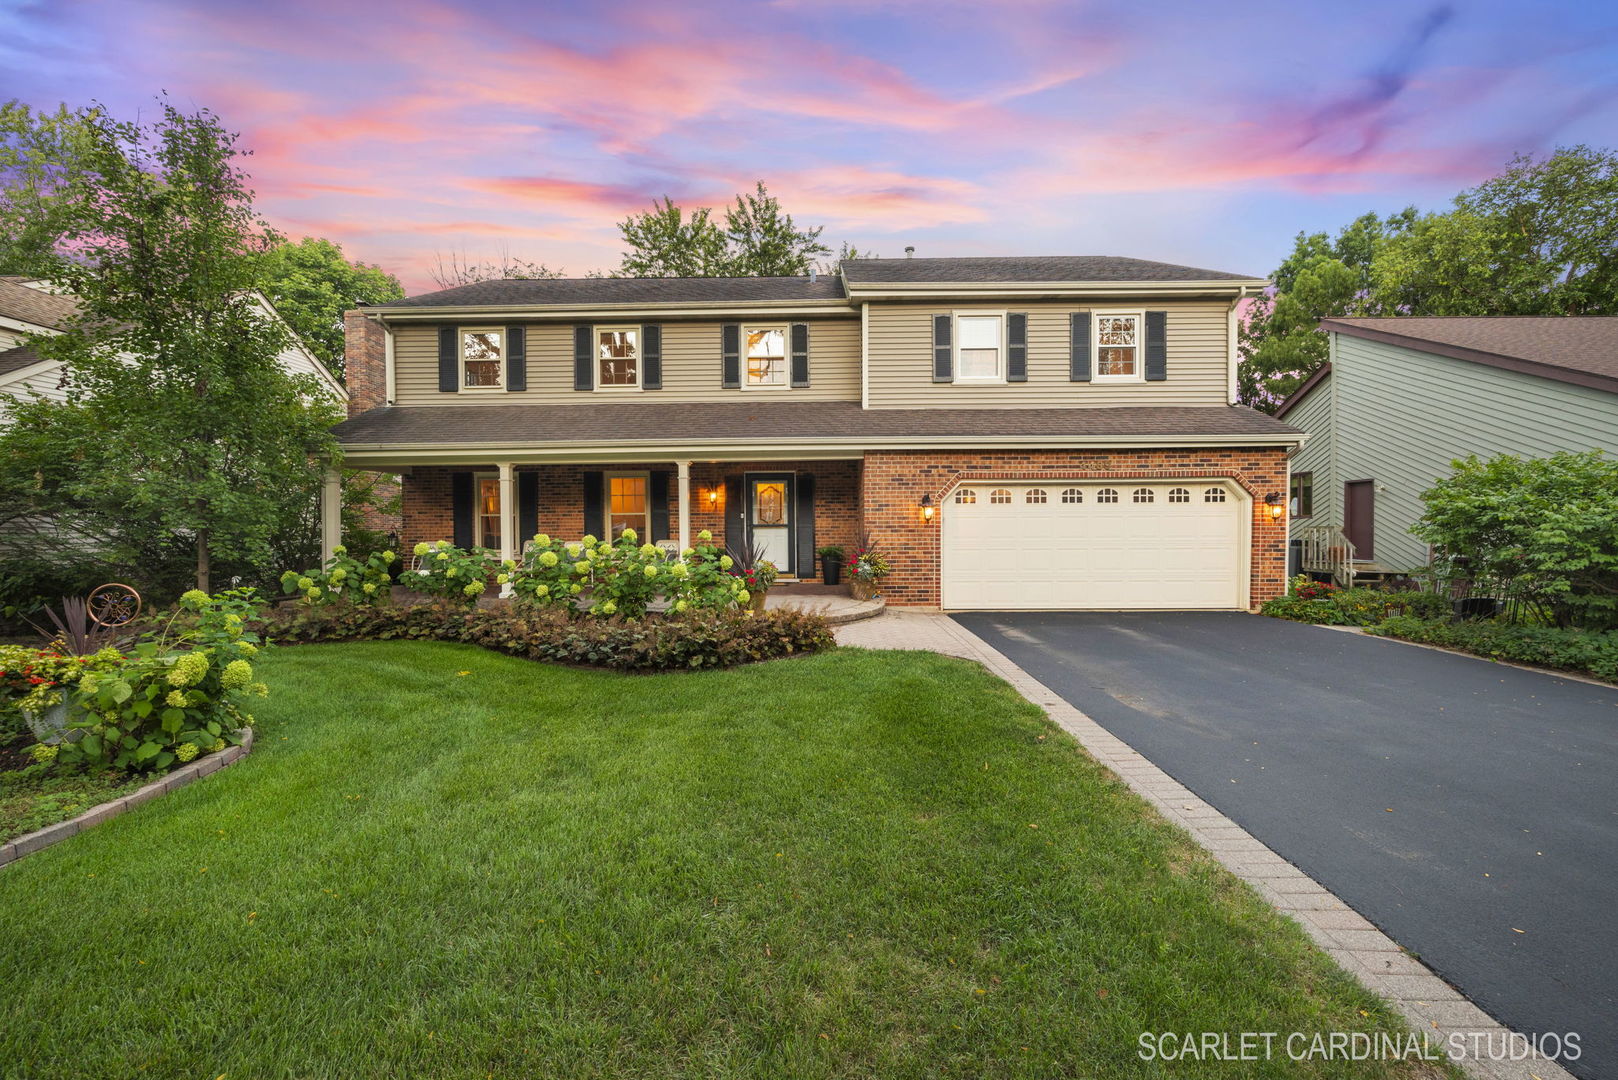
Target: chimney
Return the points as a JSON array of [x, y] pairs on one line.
[[365, 361], [910, 251]]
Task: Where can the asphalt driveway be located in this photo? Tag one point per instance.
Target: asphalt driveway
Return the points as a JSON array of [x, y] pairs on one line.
[[1468, 809]]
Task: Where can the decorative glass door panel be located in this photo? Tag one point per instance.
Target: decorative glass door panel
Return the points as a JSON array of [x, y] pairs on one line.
[[771, 521]]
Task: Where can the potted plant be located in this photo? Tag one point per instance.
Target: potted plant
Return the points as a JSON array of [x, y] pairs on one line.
[[831, 563], [757, 573], [866, 568]]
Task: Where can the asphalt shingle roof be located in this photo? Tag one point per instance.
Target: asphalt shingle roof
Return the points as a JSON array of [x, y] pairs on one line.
[[770, 421], [542, 291], [1044, 268], [1583, 344], [17, 358], [19, 301]]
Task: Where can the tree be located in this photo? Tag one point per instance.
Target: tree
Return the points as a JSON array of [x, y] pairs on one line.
[[1539, 239], [311, 283], [1280, 339], [460, 270], [32, 196], [758, 240], [181, 427]]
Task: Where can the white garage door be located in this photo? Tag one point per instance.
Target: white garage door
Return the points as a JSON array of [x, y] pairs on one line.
[[1165, 545]]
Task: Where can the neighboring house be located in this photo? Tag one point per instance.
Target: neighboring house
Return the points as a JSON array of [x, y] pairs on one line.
[[1013, 432], [30, 308], [1401, 398]]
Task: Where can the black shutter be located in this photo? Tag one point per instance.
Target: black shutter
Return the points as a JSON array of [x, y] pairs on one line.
[[1079, 363], [1157, 346], [583, 358], [516, 358], [527, 509], [461, 509], [800, 354], [660, 506], [730, 353], [1017, 347], [595, 519], [735, 513], [943, 354], [449, 365], [804, 523], [651, 357]]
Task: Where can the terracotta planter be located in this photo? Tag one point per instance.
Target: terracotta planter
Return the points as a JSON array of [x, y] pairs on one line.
[[861, 590]]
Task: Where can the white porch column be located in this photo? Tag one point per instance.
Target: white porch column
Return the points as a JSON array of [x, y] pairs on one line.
[[508, 518], [331, 514], [685, 503]]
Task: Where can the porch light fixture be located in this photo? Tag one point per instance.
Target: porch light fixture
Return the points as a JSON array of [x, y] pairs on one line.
[[713, 497], [1277, 508], [927, 508]]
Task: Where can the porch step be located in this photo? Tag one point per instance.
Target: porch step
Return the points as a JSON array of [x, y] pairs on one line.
[[835, 608]]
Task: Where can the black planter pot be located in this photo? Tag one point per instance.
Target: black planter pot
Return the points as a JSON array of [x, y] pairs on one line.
[[832, 569]]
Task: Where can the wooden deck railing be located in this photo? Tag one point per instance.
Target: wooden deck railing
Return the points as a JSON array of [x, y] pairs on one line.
[[1327, 551]]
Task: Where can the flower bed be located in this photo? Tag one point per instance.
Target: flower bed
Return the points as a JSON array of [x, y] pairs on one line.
[[1326, 604], [1583, 651]]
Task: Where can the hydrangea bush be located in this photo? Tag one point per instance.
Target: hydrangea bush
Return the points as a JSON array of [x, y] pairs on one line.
[[343, 578], [624, 577], [446, 571]]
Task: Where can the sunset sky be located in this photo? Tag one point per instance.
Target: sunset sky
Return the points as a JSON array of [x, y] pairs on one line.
[[1200, 133]]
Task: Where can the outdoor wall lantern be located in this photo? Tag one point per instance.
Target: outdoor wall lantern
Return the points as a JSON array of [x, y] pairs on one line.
[[927, 509], [713, 497], [1273, 501]]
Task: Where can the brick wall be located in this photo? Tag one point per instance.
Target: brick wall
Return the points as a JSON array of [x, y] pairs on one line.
[[365, 361], [894, 482]]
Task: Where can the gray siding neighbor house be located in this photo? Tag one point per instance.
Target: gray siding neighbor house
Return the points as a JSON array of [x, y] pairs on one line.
[[1402, 398]]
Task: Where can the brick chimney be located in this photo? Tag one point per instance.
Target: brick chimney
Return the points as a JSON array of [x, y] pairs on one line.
[[365, 352]]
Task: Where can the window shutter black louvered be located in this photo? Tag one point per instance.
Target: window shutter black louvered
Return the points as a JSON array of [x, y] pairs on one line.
[[804, 524], [449, 363], [660, 505], [730, 355], [735, 513], [800, 354], [1017, 347], [1157, 346], [595, 518], [583, 358], [461, 508], [527, 508], [516, 358], [1079, 358], [943, 350], [651, 357]]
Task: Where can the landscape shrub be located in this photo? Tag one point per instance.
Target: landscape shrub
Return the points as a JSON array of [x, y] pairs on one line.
[[453, 574], [1326, 604], [344, 578], [694, 639], [623, 578], [1590, 652]]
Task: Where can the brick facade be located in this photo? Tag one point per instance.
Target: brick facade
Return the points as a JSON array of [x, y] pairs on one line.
[[893, 483], [365, 361]]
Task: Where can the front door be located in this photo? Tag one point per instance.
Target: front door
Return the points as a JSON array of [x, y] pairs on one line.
[[1359, 517], [769, 518]]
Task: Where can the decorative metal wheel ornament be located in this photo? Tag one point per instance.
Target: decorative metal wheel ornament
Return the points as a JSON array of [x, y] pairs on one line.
[[113, 604]]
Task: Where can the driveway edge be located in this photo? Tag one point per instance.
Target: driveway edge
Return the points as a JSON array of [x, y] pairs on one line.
[[1430, 1005]]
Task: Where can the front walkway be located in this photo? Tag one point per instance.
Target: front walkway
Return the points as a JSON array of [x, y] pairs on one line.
[[1431, 1006]]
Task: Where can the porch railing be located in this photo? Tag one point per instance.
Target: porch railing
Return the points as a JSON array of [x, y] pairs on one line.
[[1327, 551]]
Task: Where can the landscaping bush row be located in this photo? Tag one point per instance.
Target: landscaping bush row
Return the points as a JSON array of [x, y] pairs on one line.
[[1325, 604], [696, 639], [1589, 652]]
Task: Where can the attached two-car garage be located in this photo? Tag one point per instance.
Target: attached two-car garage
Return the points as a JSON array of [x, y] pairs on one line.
[[1165, 545]]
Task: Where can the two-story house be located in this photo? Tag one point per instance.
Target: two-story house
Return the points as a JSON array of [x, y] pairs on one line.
[[1052, 432]]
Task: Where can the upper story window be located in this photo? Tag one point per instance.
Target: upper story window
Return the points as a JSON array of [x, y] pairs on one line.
[[1117, 339], [766, 356], [979, 348], [483, 355], [618, 357]]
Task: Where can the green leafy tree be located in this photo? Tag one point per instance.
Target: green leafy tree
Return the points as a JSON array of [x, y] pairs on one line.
[[182, 431], [758, 239], [1539, 239], [311, 283], [38, 173]]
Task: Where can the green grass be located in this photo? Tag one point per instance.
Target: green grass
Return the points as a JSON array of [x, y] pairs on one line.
[[856, 864]]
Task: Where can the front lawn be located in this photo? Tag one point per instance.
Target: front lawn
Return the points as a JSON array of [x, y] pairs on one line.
[[443, 862]]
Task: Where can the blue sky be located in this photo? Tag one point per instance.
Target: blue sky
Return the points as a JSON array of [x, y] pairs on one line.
[[1196, 133]]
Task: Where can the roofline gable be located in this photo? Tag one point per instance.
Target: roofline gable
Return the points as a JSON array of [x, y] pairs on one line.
[[1554, 372], [1294, 398]]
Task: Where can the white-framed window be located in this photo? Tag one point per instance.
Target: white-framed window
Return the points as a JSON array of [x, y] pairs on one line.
[[486, 500], [980, 346], [1143, 495], [966, 496], [617, 357], [1073, 495], [1034, 495], [1107, 495], [1179, 495], [765, 356], [1118, 346], [628, 500], [999, 495], [1213, 495], [483, 358]]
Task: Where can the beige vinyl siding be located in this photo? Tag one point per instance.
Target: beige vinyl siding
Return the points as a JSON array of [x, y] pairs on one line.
[[901, 358], [691, 366], [1402, 416], [46, 383], [1314, 415], [9, 338]]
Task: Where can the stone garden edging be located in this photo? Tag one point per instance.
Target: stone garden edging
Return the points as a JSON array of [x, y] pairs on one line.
[[28, 843]]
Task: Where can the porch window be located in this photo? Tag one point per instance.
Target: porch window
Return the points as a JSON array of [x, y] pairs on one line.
[[618, 356], [629, 505], [483, 354], [1117, 336], [766, 355], [488, 512], [1303, 494], [978, 350]]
